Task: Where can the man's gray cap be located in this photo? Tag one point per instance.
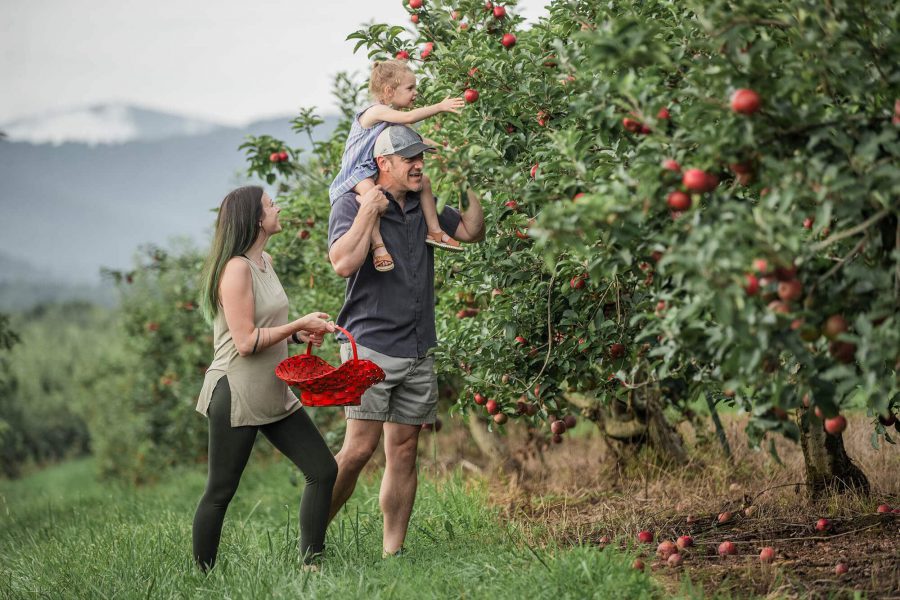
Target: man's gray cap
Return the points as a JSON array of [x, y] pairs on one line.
[[400, 140]]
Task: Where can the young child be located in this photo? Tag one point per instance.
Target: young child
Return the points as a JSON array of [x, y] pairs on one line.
[[393, 87]]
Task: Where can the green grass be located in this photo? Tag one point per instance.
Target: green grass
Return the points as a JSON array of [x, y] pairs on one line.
[[64, 534]]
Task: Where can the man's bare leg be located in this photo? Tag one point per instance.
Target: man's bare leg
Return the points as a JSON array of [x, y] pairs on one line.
[[398, 486], [360, 443]]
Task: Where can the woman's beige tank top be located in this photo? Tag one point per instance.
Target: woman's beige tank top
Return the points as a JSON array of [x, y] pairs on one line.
[[257, 395]]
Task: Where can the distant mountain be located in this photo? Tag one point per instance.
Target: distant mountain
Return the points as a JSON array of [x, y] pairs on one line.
[[24, 285], [74, 208], [104, 124]]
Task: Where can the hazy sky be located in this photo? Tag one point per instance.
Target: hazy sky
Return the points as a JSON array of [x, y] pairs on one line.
[[229, 60]]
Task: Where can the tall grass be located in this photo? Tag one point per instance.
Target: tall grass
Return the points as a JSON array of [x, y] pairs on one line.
[[63, 534]]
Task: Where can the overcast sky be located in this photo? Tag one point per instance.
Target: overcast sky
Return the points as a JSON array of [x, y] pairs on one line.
[[228, 60]]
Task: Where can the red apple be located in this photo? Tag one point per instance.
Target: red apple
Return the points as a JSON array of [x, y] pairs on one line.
[[508, 40], [480, 400], [521, 340], [415, 20], [767, 554], [463, 26], [617, 350], [534, 170], [274, 157], [604, 540], [745, 102], [724, 517], [631, 125], [645, 537], [500, 418], [663, 113], [836, 425], [470, 95], [727, 548], [282, 156], [808, 222], [790, 290], [674, 560], [402, 55], [542, 118], [842, 351], [415, 3], [454, 15], [823, 525], [666, 549], [884, 508], [557, 439], [834, 326], [511, 204], [671, 165], [841, 569], [698, 180], [499, 12], [303, 234], [752, 284], [777, 306], [492, 407], [638, 564], [678, 201], [557, 427], [685, 541], [887, 420], [570, 421]]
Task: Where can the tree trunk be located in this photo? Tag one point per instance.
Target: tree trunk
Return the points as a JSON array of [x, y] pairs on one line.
[[630, 426], [828, 468], [492, 445]]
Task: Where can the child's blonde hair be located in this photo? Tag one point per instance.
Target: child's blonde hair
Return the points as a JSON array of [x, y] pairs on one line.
[[386, 73]]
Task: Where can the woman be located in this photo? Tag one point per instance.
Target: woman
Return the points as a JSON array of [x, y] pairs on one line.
[[242, 296]]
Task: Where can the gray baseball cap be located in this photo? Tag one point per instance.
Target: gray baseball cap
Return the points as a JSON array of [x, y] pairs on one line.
[[400, 140]]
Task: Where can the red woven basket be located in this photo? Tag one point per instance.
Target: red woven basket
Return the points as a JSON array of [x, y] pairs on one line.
[[323, 385]]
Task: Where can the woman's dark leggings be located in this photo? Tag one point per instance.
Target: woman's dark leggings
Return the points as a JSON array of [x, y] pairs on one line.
[[229, 449]]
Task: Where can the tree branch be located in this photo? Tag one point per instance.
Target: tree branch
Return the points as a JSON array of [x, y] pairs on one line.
[[853, 230]]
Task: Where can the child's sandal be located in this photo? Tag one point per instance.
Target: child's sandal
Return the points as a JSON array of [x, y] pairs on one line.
[[382, 262], [439, 239]]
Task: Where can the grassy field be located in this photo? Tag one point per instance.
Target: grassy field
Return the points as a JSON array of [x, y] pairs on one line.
[[65, 535]]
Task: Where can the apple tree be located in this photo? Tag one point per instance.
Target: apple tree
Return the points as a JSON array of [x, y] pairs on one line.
[[685, 201]]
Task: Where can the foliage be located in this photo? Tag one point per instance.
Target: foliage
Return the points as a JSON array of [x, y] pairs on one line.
[[43, 371], [145, 420], [567, 145]]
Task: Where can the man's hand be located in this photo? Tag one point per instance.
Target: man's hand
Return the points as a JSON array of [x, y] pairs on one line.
[[375, 198]]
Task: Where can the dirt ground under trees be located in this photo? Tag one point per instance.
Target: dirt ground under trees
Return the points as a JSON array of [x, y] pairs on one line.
[[585, 495]]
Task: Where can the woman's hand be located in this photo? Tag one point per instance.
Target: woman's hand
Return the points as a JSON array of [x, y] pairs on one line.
[[316, 323], [314, 338]]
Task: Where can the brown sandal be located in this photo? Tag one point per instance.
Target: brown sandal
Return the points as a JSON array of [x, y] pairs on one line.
[[439, 239], [382, 262]]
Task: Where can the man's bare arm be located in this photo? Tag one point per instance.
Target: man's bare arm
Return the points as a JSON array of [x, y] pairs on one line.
[[471, 225], [351, 249]]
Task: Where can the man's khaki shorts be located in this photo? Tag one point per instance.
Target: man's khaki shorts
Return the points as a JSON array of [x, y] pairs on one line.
[[407, 395]]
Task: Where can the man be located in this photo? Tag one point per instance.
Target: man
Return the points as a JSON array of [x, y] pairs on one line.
[[391, 315]]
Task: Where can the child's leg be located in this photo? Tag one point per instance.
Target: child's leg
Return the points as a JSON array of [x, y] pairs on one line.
[[436, 236], [380, 255]]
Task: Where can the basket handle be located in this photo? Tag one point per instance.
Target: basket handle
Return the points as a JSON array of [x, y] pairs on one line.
[[349, 337]]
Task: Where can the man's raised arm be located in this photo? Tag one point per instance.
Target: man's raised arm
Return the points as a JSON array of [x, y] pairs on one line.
[[471, 225], [349, 251]]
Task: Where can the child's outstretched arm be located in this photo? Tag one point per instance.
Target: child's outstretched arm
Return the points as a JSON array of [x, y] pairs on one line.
[[380, 112]]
